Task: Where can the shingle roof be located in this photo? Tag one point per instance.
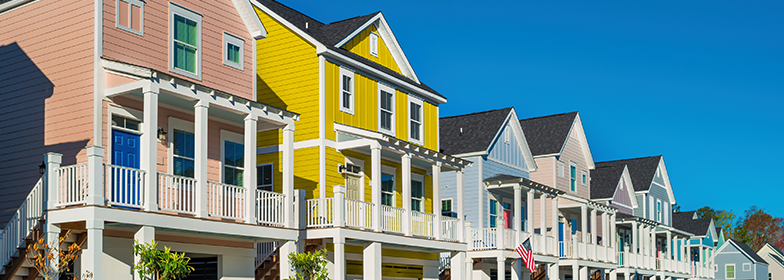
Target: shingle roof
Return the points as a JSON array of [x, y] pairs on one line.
[[745, 248], [330, 34], [478, 130], [641, 170], [502, 177], [684, 221], [604, 181], [546, 135]]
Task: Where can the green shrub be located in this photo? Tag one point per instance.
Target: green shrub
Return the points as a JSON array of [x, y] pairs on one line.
[[163, 264]]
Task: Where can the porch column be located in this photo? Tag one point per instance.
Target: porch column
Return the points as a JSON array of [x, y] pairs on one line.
[[200, 157], [53, 161], [576, 273], [613, 274], [92, 256], [517, 270], [437, 234], [149, 150], [249, 175], [406, 172], [339, 271], [605, 230], [669, 246], [556, 229], [612, 231], [529, 211], [584, 273], [543, 220], [458, 267], [95, 177], [375, 173], [286, 248], [144, 234], [583, 222], [594, 233], [460, 174], [626, 274], [516, 213], [287, 168], [501, 266], [553, 271], [52, 236], [634, 238], [371, 261]]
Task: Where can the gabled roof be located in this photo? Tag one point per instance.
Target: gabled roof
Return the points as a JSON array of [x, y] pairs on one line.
[[776, 259], [605, 183], [547, 135], [774, 249], [329, 36], [642, 171], [743, 248], [686, 221]]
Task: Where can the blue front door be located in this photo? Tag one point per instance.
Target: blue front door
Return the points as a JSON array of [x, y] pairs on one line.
[[561, 238], [125, 183]]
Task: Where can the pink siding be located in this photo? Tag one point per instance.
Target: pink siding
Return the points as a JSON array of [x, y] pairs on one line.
[[152, 49], [46, 79], [622, 197], [573, 153]]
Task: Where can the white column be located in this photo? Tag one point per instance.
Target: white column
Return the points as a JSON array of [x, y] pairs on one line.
[[605, 230], [287, 164], [517, 270], [144, 235], [499, 226], [594, 233], [375, 173], [339, 206], [340, 259], [526, 274], [543, 220], [556, 229], [576, 273], [669, 246], [529, 210], [437, 200], [501, 267], [626, 275], [149, 150], [460, 174], [95, 175], [53, 237], [53, 161], [612, 231], [249, 175], [371, 261], [458, 268], [286, 248], [93, 254], [613, 274], [516, 213], [583, 222], [634, 238], [553, 271], [584, 273], [200, 156], [406, 180]]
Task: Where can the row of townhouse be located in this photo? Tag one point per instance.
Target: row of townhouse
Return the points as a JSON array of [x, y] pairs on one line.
[[240, 131]]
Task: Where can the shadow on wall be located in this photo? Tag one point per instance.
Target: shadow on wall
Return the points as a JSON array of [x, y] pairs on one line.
[[24, 89], [266, 95]]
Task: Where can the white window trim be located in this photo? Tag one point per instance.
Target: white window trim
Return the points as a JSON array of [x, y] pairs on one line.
[[125, 113], [572, 164], [490, 216], [419, 178], [561, 167], [391, 90], [360, 163], [421, 104], [391, 171], [747, 265], [272, 176], [230, 136], [373, 44], [734, 271], [584, 177], [347, 72], [137, 3], [229, 38], [13, 4], [659, 213], [451, 204], [178, 124], [194, 16]]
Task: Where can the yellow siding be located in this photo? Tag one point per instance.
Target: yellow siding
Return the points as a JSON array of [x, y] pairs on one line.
[[287, 78], [431, 126], [401, 115], [306, 172], [360, 45], [277, 175], [365, 102]]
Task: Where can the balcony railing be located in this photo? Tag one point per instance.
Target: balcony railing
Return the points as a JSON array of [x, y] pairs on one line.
[[225, 201], [359, 214], [484, 239], [393, 219], [22, 223], [177, 193], [422, 224], [449, 228], [269, 208], [124, 186], [320, 212], [72, 184]]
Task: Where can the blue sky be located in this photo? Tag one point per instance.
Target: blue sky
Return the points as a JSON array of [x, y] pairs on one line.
[[700, 82]]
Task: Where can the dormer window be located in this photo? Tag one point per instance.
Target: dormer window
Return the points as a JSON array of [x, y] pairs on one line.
[[373, 44]]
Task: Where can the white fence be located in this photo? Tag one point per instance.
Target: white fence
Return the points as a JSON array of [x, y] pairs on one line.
[[225, 201], [72, 183], [320, 212], [359, 214], [177, 193], [449, 228], [124, 186], [269, 208], [22, 223], [393, 219]]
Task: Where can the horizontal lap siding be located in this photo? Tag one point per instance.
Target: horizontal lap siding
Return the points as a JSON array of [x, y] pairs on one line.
[[573, 152], [46, 88], [152, 49]]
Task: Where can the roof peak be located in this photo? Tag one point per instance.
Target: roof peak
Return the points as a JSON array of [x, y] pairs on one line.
[[549, 116], [628, 159], [476, 113], [347, 19]]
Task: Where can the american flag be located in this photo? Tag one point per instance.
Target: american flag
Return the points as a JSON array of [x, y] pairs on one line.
[[525, 253]]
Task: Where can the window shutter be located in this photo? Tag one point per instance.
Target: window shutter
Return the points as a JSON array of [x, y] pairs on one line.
[[666, 213]]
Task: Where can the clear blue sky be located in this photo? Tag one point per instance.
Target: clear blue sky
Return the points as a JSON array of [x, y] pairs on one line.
[[700, 82]]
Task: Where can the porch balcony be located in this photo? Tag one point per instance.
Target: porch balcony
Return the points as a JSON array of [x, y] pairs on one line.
[[594, 243]]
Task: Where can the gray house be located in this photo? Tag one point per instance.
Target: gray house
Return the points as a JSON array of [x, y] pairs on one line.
[[736, 260]]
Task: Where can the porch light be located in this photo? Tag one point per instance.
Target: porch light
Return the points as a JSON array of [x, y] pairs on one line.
[[42, 168], [161, 134], [342, 169]]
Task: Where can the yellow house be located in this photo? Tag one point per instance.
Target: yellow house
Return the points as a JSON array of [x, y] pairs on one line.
[[366, 149]]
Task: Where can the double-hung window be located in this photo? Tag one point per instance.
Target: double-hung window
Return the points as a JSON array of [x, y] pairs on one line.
[[446, 207], [729, 271], [585, 177], [183, 153], [346, 91], [233, 163], [386, 113], [233, 47], [264, 177], [185, 41], [493, 213], [387, 189], [418, 194], [130, 16], [658, 211], [573, 177], [415, 116]]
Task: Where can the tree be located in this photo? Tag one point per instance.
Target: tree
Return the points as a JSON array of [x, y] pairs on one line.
[[676, 208], [761, 228], [163, 264], [42, 257], [721, 218], [309, 266]]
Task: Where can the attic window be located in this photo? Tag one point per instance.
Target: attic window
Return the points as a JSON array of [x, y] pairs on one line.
[[506, 135], [373, 44]]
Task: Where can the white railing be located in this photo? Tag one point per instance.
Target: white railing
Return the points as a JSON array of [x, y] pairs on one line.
[[359, 214], [484, 239], [225, 201], [581, 250], [124, 186], [601, 253], [22, 223], [269, 208], [264, 250], [393, 219], [72, 183], [509, 239], [176, 193], [320, 212], [551, 244], [449, 228], [444, 261], [422, 224], [591, 251], [536, 243]]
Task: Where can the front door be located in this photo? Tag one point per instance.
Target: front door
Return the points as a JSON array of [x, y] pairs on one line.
[[508, 218], [561, 228], [125, 183]]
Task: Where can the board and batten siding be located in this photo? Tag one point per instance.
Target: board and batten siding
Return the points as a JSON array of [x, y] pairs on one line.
[[46, 92], [152, 49], [621, 196], [360, 45], [507, 152]]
